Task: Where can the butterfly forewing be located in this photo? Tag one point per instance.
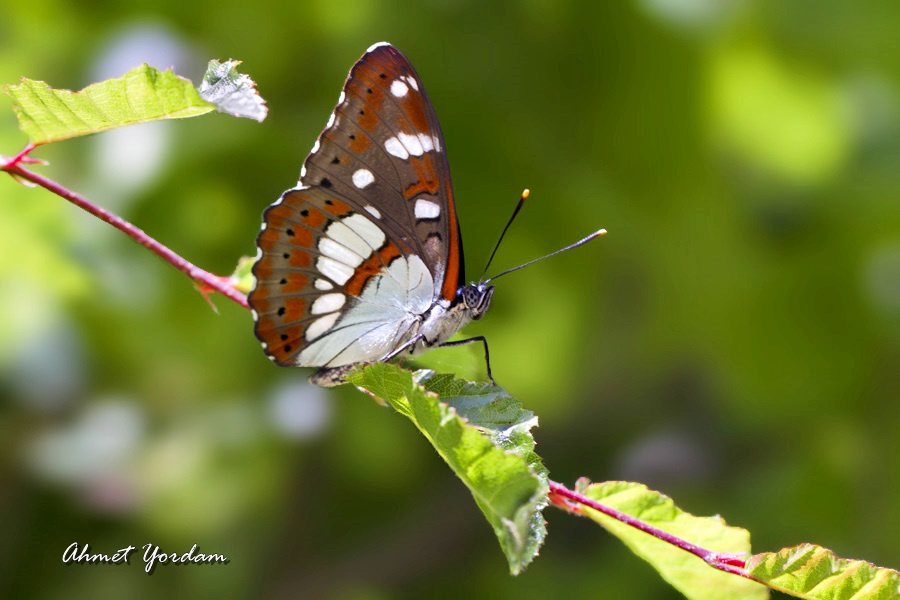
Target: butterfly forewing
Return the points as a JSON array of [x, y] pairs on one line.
[[383, 150], [374, 206]]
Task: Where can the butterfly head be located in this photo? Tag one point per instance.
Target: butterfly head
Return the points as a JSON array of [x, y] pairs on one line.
[[477, 298]]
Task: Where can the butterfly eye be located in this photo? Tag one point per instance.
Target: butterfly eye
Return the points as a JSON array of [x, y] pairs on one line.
[[477, 299], [471, 296]]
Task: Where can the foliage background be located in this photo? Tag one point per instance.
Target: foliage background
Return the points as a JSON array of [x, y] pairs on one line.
[[733, 342]]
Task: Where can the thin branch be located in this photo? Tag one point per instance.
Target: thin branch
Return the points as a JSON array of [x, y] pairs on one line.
[[21, 157], [571, 501], [206, 280]]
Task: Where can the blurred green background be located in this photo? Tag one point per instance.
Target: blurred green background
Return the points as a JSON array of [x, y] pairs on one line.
[[733, 342]]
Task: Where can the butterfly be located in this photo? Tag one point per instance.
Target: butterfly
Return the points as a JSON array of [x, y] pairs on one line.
[[363, 259]]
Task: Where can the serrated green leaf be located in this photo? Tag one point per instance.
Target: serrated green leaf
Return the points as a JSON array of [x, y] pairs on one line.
[[484, 436], [809, 571], [687, 573], [143, 94], [232, 92]]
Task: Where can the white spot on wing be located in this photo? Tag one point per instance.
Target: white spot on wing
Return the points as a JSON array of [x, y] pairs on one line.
[[323, 284], [362, 178], [427, 142], [255, 314], [321, 325], [395, 148], [315, 148], [328, 303], [372, 211], [411, 143], [330, 121], [370, 232], [412, 83], [341, 98], [339, 252], [426, 209], [398, 88], [337, 272], [377, 45], [344, 235]]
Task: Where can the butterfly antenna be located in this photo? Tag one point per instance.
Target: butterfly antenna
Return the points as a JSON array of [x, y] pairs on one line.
[[580, 242], [525, 194]]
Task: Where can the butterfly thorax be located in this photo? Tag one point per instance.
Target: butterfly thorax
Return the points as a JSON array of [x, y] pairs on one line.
[[443, 319]]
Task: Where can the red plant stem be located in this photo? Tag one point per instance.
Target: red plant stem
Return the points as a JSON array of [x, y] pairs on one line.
[[20, 157], [204, 278], [729, 563]]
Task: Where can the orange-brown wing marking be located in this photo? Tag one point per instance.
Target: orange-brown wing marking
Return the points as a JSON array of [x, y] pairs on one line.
[[371, 267]]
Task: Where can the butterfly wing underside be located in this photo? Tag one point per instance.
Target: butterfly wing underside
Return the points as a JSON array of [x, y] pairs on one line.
[[369, 239]]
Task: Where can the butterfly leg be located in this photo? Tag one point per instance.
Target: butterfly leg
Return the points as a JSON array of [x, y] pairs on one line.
[[407, 346], [487, 354]]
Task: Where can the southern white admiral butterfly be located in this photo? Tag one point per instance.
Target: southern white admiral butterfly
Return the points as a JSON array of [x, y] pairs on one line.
[[363, 259]]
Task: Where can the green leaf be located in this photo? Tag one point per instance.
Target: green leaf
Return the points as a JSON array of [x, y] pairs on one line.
[[687, 573], [809, 571], [484, 436], [232, 92], [143, 94]]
